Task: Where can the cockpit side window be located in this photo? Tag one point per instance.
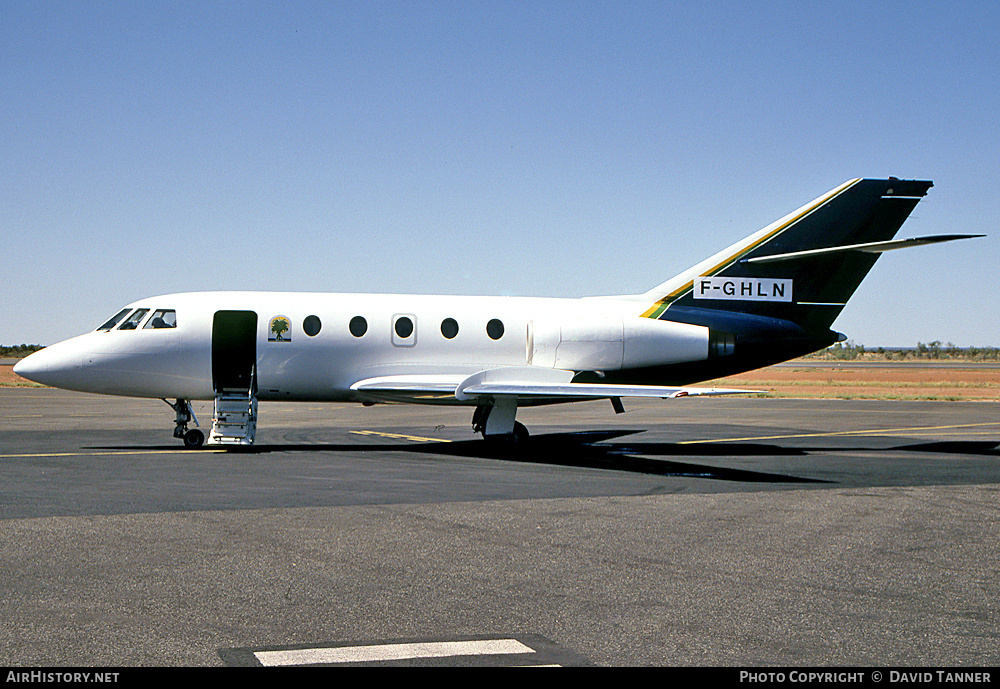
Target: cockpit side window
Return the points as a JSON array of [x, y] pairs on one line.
[[132, 322], [114, 320], [163, 318]]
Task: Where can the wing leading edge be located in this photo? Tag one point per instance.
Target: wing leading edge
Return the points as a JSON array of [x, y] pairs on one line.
[[525, 383]]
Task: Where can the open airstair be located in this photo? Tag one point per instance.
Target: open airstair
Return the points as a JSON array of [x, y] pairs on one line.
[[235, 419]]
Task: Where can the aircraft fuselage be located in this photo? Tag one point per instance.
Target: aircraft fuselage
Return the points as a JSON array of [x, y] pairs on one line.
[[316, 346]]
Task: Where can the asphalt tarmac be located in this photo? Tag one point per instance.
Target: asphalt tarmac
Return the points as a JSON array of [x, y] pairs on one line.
[[723, 531]]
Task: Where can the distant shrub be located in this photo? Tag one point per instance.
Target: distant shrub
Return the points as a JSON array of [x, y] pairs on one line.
[[842, 351], [845, 351], [18, 351]]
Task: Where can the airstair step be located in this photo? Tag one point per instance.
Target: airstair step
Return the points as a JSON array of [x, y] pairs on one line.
[[235, 419]]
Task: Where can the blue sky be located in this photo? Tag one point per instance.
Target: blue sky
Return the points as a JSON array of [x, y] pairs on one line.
[[519, 148]]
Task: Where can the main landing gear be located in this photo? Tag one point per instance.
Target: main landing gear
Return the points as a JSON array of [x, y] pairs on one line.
[[183, 415], [497, 424]]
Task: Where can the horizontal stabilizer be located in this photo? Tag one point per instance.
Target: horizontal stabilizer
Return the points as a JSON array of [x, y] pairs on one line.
[[868, 247]]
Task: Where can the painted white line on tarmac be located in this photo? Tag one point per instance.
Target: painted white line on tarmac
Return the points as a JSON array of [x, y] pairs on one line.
[[389, 652]]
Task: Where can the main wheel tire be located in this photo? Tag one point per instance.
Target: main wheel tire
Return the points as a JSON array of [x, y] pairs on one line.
[[507, 443], [194, 439], [519, 438]]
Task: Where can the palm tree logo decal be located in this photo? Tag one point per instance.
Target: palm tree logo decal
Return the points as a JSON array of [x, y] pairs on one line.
[[279, 326]]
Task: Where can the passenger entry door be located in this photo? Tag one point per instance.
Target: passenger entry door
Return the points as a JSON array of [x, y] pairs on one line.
[[234, 350]]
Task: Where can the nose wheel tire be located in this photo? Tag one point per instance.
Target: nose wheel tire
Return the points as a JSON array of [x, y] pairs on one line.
[[194, 439]]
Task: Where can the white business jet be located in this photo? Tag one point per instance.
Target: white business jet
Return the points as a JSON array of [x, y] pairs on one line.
[[768, 298]]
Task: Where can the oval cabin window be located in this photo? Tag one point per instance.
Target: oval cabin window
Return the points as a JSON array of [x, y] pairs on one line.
[[358, 326], [495, 329], [311, 326], [449, 328]]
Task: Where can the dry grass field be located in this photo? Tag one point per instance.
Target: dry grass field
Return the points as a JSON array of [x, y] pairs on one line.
[[9, 379], [895, 381]]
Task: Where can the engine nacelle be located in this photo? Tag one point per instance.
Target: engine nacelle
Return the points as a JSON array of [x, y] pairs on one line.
[[613, 343], [650, 342]]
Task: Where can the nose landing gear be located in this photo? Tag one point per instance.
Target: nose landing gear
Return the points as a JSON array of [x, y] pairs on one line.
[[184, 414]]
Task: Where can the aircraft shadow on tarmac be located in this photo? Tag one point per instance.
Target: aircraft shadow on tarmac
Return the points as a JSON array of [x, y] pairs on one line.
[[986, 448], [586, 449], [580, 449], [575, 449]]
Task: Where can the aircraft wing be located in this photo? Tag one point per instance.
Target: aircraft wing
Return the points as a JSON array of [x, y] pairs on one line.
[[526, 383], [591, 390]]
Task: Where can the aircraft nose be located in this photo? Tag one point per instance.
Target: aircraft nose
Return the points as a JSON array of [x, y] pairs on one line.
[[56, 366], [29, 366]]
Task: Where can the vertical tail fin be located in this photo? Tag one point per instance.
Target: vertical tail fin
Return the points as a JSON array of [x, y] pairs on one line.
[[803, 268]]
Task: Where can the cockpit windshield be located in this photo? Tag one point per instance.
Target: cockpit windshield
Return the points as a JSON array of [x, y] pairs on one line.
[[114, 320], [133, 321], [162, 318]]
